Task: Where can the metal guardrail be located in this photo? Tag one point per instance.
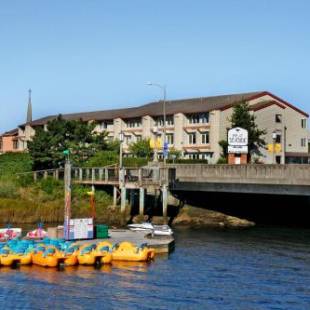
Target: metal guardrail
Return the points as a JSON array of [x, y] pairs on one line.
[[158, 175]]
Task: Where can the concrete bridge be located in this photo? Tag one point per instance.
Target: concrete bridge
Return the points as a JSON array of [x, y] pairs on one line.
[[291, 180], [248, 179]]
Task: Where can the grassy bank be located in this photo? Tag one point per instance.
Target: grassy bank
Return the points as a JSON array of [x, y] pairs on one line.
[[23, 201]]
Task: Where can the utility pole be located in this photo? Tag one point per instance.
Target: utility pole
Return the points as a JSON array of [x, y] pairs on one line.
[[67, 178]]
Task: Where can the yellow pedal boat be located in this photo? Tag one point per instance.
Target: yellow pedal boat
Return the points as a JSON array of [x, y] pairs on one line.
[[86, 255], [70, 255], [91, 254], [104, 251], [21, 259], [126, 251], [50, 257]]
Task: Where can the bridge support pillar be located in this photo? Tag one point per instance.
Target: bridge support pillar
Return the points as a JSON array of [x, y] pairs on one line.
[[164, 191], [114, 196], [123, 199], [141, 200]]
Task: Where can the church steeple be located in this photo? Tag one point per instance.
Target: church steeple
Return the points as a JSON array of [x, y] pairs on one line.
[[29, 110]]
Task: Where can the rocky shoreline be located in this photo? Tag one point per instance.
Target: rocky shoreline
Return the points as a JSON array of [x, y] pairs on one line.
[[193, 217]]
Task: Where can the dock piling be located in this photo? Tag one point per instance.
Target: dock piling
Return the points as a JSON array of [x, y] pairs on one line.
[[141, 200], [114, 196], [165, 202], [123, 199]]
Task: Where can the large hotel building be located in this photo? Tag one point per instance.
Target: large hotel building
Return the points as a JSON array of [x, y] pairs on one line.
[[193, 126]]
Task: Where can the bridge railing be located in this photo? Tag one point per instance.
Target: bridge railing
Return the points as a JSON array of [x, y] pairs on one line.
[[95, 174], [142, 176]]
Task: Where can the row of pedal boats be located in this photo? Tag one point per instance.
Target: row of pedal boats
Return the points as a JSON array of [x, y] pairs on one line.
[[56, 253]]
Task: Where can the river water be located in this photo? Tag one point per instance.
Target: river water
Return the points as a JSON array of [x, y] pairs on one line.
[[262, 268]]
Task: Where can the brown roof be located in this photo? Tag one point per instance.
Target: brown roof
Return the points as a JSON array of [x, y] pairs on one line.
[[12, 132], [266, 104], [193, 105]]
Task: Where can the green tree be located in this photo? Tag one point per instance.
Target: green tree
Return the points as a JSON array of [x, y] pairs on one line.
[[46, 148], [141, 148]]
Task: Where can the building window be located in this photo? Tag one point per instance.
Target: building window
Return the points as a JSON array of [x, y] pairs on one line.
[[304, 123], [303, 142], [205, 138], [104, 125], [204, 118], [127, 139], [15, 144], [133, 122], [1, 146], [193, 118], [278, 159], [278, 138], [192, 138], [170, 138], [205, 156], [193, 155], [278, 118], [197, 118], [138, 138], [159, 121]]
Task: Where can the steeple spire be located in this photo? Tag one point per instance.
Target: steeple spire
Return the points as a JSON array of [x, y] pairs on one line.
[[29, 110]]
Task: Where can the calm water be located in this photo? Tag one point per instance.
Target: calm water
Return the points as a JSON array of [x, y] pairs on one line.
[[263, 268]]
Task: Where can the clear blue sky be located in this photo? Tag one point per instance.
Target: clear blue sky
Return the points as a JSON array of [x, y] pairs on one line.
[[97, 54]]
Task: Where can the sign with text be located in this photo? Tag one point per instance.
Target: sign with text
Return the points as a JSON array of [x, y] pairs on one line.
[[238, 137], [237, 149]]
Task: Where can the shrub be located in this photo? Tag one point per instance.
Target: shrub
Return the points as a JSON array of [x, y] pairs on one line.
[[222, 160]]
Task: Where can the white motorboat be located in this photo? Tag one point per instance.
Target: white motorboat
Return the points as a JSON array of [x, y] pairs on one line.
[[155, 230], [147, 227], [162, 230]]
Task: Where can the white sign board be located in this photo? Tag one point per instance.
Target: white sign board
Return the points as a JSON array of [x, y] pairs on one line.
[[81, 228], [237, 149], [238, 137]]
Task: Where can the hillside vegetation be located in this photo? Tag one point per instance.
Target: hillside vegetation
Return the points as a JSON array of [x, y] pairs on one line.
[[23, 201]]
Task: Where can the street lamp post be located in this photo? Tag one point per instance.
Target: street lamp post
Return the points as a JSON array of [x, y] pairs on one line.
[[122, 174], [121, 139], [274, 138], [163, 89], [164, 184]]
